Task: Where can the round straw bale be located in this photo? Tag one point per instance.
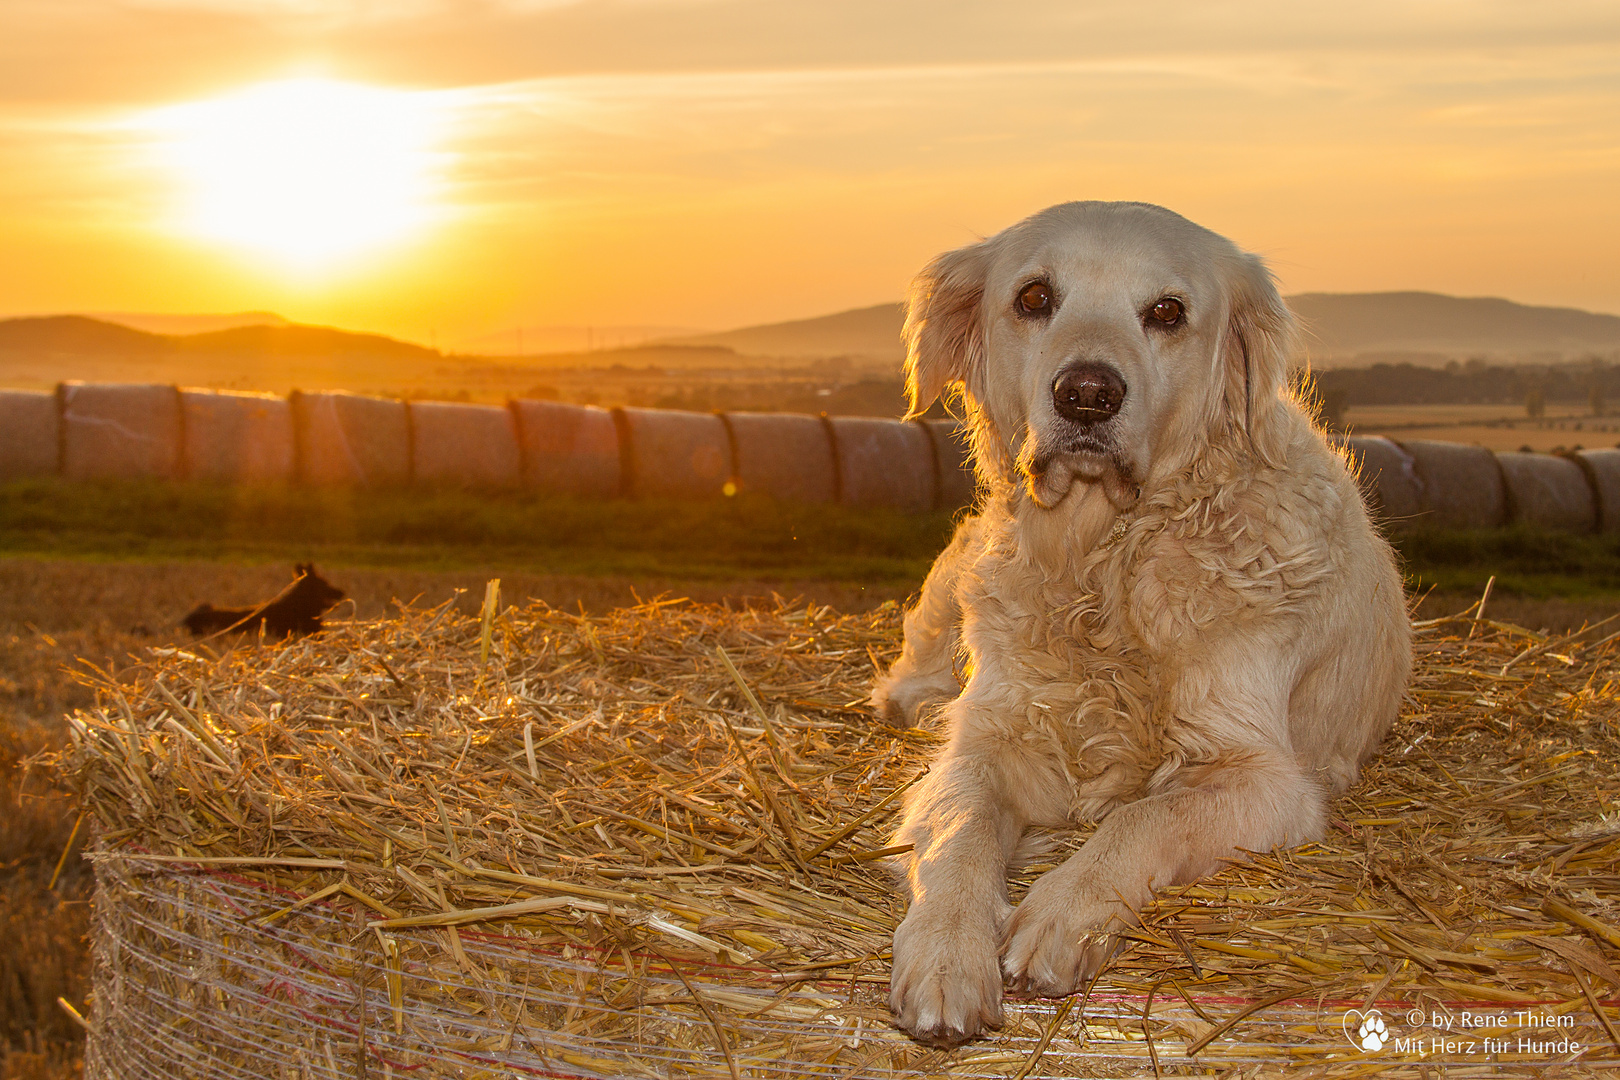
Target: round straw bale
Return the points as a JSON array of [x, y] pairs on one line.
[[1388, 478], [467, 445], [569, 449], [120, 430], [1602, 468], [1549, 491], [784, 456], [958, 486], [349, 439], [1462, 485], [672, 454], [236, 437], [29, 432], [885, 463]]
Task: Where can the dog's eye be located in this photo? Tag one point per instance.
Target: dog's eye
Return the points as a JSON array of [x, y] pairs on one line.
[[1036, 299], [1167, 310]]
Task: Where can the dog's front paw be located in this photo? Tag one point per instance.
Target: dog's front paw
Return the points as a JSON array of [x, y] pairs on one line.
[[946, 986], [1061, 935]]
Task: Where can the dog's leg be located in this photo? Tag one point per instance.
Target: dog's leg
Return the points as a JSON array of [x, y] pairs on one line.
[[1062, 932], [925, 674], [964, 823]]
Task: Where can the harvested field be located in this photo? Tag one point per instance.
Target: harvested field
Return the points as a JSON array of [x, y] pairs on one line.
[[648, 843]]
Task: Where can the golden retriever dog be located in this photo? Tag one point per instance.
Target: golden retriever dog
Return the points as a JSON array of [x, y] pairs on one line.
[[1172, 615]]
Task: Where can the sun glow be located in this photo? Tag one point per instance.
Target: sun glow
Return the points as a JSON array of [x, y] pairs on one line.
[[310, 171]]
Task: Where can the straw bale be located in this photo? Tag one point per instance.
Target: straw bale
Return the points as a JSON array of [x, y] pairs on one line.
[[236, 437], [1462, 485], [569, 449], [1602, 468], [649, 844], [465, 445], [884, 463], [1549, 491], [1388, 476], [958, 486], [673, 454], [120, 431], [784, 456], [345, 438], [28, 434]]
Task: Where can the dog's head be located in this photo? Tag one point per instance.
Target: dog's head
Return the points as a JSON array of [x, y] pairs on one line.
[[313, 591], [1107, 343]]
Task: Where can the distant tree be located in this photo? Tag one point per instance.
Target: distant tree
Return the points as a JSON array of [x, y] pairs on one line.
[[1535, 404]]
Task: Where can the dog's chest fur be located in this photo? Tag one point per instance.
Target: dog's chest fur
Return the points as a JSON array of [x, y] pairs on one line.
[[1084, 626]]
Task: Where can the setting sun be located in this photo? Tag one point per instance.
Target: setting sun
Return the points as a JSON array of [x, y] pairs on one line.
[[306, 170]]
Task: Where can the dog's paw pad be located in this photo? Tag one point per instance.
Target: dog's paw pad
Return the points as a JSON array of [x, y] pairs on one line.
[[1372, 1033]]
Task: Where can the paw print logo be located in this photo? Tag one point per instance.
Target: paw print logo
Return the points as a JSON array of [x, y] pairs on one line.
[[1367, 1031]]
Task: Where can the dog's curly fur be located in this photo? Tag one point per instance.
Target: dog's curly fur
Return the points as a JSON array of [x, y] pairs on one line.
[[1180, 622]]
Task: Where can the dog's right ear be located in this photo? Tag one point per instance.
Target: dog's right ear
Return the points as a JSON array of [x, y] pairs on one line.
[[944, 329]]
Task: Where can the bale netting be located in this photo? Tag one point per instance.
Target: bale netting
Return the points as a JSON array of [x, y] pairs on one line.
[[648, 845], [463, 445], [673, 454], [884, 463], [30, 444], [120, 431], [569, 449], [1548, 491], [783, 455], [1602, 468], [1462, 485], [1388, 476], [236, 437], [345, 438]]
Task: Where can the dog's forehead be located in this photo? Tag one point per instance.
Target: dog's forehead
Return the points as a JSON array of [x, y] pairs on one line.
[[1126, 248]]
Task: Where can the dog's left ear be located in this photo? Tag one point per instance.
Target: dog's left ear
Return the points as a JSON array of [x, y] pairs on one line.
[[944, 328], [1256, 345]]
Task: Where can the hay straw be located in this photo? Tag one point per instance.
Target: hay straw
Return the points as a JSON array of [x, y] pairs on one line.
[[649, 844]]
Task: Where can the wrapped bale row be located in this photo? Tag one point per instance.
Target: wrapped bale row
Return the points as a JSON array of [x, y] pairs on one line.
[[127, 431], [130, 431], [1421, 483]]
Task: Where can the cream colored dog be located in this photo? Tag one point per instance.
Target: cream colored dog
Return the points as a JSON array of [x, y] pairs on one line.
[[1173, 613]]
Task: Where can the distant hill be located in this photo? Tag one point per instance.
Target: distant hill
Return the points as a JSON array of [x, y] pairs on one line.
[[187, 324], [1343, 325], [869, 333], [80, 335], [1341, 328]]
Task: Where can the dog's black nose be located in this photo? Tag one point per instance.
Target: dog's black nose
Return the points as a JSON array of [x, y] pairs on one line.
[[1088, 393]]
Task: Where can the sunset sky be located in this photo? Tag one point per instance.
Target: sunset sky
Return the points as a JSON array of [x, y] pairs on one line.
[[444, 169]]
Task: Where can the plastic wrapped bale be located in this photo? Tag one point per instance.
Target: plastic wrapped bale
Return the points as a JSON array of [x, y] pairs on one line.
[[1462, 485], [347, 438], [465, 445], [30, 434], [569, 449], [1388, 478], [1549, 491], [236, 438], [958, 486], [650, 844], [120, 431], [1602, 468], [885, 463], [670, 454], [785, 456]]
